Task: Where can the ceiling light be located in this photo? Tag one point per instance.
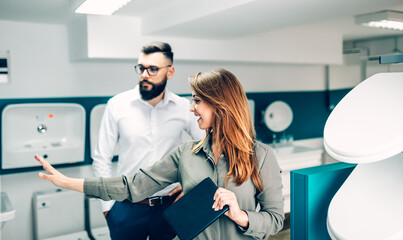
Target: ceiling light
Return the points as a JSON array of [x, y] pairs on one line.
[[101, 7], [383, 19]]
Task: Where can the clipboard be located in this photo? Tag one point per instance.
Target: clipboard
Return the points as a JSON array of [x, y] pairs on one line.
[[193, 212]]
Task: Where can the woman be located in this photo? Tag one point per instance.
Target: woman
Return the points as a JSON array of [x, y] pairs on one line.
[[244, 169]]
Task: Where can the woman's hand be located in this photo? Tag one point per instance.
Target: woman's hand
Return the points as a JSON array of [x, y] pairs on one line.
[[59, 179], [176, 193], [224, 197]]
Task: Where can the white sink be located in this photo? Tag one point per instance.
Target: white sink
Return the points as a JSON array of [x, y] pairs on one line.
[[95, 122], [7, 209], [296, 157], [55, 131], [291, 150]]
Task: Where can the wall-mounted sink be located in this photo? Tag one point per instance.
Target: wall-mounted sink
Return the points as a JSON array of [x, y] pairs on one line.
[[293, 149], [296, 157], [55, 131], [95, 122], [292, 157], [7, 209]]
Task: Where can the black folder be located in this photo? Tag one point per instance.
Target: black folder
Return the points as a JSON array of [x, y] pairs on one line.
[[193, 212]]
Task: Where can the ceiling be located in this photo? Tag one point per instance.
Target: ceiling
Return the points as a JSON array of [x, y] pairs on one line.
[[218, 18]]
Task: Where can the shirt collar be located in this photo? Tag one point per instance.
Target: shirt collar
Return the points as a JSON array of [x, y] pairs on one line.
[[168, 97], [206, 146]]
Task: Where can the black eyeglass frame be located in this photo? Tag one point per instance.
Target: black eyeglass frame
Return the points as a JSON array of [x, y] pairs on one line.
[[140, 71]]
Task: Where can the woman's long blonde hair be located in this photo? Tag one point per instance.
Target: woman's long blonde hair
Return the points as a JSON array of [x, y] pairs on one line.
[[233, 130]]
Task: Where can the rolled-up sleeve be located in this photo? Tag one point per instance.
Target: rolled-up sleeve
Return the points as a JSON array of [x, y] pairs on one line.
[[140, 186], [270, 218]]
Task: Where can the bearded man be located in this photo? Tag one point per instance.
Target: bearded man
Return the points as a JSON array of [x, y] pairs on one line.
[[145, 123]]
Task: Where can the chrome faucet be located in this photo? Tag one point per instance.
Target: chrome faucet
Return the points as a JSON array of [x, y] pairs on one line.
[[42, 128]]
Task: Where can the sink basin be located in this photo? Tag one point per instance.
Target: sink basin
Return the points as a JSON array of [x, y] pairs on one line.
[[7, 210], [55, 131], [95, 122], [296, 157], [294, 149]]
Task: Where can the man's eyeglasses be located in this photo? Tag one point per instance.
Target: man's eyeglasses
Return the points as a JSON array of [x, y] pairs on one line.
[[151, 70]]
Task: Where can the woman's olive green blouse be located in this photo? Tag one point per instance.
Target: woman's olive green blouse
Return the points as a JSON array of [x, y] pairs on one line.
[[189, 168]]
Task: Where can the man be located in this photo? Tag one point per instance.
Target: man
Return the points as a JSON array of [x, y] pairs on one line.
[[146, 123]]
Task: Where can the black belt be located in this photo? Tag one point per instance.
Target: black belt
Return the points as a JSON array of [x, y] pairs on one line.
[[155, 201]]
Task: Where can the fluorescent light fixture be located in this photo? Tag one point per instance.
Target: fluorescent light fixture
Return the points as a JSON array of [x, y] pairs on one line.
[[383, 19], [101, 7]]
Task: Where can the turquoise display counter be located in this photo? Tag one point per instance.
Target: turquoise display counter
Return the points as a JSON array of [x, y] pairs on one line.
[[312, 189]]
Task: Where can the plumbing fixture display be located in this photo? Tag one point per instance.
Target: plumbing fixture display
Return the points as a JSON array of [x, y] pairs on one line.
[[58, 214], [366, 129], [251, 104], [295, 158], [367, 124], [95, 222], [55, 131], [278, 116], [7, 210], [95, 122]]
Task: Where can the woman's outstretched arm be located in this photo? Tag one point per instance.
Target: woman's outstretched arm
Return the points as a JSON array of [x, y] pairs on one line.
[[59, 179]]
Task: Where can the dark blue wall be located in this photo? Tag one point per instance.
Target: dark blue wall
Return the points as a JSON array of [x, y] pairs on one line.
[[310, 111]]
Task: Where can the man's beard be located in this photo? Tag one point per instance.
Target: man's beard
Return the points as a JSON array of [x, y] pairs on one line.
[[155, 90]]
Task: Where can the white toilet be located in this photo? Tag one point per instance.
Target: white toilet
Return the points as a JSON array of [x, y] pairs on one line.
[[366, 128]]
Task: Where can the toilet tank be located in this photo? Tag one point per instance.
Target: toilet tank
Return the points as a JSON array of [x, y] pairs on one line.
[[58, 213]]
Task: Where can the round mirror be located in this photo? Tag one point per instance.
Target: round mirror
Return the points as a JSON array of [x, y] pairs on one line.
[[278, 116]]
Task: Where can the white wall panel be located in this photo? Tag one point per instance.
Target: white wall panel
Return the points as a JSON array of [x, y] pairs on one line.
[[118, 37]]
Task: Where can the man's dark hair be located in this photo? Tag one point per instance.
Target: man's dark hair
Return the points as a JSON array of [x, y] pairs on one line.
[[162, 47]]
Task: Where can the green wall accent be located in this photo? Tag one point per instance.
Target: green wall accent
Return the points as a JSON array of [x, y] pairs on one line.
[[312, 189]]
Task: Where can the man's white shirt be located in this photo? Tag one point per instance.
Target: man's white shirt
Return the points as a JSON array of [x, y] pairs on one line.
[[143, 133]]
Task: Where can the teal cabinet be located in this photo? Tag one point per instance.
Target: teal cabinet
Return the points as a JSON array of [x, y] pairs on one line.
[[312, 189]]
